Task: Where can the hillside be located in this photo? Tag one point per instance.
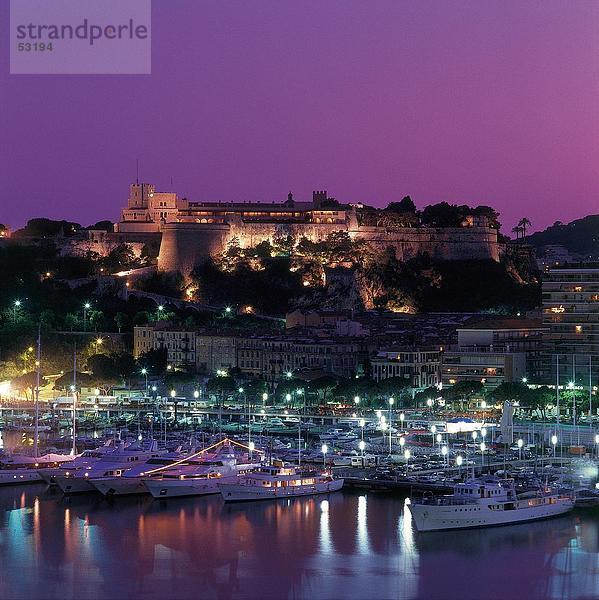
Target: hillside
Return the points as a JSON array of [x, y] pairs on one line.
[[579, 237]]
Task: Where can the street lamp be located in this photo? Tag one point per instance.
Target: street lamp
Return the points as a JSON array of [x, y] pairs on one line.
[[524, 380], [458, 461], [391, 403], [16, 306], [288, 397], [173, 393], [554, 443], [520, 443], [407, 455], [483, 447], [289, 374], [402, 418], [196, 394], [144, 372], [251, 446], [444, 454], [433, 431], [86, 307], [264, 398], [324, 449], [597, 444], [362, 445]]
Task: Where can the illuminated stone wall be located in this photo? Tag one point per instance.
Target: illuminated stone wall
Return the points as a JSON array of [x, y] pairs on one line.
[[185, 244]]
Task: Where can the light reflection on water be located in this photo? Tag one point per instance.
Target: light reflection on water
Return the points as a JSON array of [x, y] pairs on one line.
[[340, 546]]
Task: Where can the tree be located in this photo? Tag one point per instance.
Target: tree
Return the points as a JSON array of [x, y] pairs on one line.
[[102, 367], [221, 387], [510, 392], [95, 317], [393, 387], [153, 360], [119, 258], [71, 321], [121, 319], [405, 205], [524, 223], [464, 390], [323, 385], [102, 226], [124, 364], [442, 215]]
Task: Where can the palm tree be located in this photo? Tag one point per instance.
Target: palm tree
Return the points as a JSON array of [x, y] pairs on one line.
[[524, 223]]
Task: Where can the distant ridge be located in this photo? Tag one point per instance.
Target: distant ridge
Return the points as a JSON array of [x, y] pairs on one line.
[[579, 237]]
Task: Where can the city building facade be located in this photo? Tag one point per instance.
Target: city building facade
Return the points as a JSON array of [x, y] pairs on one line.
[[419, 367]]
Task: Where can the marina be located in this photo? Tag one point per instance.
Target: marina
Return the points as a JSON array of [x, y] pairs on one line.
[[347, 544]]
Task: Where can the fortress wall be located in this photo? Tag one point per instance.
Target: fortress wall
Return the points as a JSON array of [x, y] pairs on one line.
[[185, 244], [447, 243]]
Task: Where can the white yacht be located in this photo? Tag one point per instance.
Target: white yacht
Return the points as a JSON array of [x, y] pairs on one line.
[[23, 469], [75, 463], [485, 502], [112, 464], [197, 478], [131, 481], [278, 481]]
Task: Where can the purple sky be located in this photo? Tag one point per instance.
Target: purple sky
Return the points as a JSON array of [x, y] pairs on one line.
[[475, 102]]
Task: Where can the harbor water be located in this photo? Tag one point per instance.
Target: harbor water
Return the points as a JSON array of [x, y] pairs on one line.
[[346, 545]]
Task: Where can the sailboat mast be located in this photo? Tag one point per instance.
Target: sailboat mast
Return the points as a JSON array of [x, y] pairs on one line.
[[37, 393], [74, 447]]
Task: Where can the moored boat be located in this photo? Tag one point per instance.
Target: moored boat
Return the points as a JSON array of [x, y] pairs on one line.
[[486, 502], [278, 481]]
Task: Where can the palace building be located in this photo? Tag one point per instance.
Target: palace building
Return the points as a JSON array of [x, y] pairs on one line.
[[191, 231]]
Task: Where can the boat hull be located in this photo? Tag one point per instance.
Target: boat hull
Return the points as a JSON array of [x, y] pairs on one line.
[[19, 476], [119, 486], [236, 492], [177, 488], [74, 485], [440, 518]]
